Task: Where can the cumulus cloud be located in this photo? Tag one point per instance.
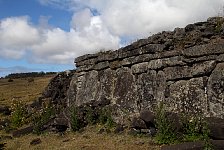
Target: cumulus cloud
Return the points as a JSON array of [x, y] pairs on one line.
[[17, 35], [140, 18], [46, 44], [97, 25]]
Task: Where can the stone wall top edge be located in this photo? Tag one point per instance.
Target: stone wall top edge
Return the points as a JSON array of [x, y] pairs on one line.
[[104, 56]]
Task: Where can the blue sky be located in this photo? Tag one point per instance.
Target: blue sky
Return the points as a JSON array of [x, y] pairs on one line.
[[46, 35], [32, 8]]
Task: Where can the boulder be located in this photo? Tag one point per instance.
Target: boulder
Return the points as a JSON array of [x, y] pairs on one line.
[[4, 123], [218, 144], [60, 124], [23, 131], [216, 127], [2, 145], [138, 123], [35, 141], [5, 110], [148, 117], [199, 145], [174, 119], [185, 146]]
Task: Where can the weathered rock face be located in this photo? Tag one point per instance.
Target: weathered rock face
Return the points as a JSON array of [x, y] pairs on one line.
[[183, 68]]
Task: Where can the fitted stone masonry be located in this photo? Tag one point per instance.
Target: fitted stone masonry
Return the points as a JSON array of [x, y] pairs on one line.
[[183, 68]]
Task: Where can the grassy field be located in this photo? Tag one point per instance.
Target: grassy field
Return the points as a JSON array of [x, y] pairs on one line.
[[21, 89], [89, 139]]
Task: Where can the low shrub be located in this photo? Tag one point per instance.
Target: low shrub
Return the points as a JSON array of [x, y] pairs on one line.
[[18, 115], [105, 118], [42, 118], [91, 117], [75, 121], [166, 133], [193, 128]]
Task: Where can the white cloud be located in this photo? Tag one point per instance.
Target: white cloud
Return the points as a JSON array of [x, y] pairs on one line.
[[91, 31], [17, 31], [139, 18], [88, 34], [16, 36]]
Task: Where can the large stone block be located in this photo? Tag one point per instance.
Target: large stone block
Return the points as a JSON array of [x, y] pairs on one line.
[[215, 89], [202, 50], [187, 72], [125, 90], [151, 87], [188, 96], [88, 88], [140, 68]]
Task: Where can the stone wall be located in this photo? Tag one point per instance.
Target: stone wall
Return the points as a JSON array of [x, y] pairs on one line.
[[183, 68]]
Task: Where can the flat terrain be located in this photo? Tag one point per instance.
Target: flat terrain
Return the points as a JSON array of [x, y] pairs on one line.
[[89, 139], [21, 89]]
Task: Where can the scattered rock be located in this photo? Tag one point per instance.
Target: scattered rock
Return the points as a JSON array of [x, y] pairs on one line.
[[35, 141], [66, 140], [138, 123], [5, 110], [60, 124], [218, 144], [185, 146], [174, 119], [2, 145], [216, 127], [199, 145], [148, 117], [23, 131], [4, 123]]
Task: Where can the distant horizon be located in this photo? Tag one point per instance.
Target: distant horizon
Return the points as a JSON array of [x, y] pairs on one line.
[[47, 35]]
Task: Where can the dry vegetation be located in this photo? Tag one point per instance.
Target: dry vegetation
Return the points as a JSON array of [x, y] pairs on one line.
[[89, 139], [21, 89]]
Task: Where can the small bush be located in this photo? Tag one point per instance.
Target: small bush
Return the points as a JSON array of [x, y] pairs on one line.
[[106, 119], [195, 129], [166, 133], [90, 116], [42, 118], [75, 122], [219, 25], [18, 115]]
